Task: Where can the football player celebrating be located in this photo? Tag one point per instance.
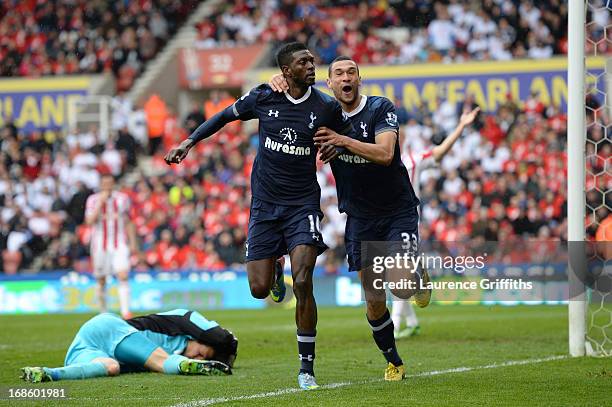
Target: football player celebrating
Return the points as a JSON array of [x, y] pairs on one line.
[[375, 191], [285, 208]]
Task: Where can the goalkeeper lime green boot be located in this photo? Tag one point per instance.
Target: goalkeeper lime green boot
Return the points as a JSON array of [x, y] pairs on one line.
[[204, 367], [35, 375]]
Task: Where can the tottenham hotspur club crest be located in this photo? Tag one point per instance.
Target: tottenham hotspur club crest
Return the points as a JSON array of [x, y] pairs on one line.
[[312, 119], [363, 127]]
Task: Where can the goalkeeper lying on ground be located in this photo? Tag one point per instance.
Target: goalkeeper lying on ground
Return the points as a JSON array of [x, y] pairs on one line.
[[174, 342]]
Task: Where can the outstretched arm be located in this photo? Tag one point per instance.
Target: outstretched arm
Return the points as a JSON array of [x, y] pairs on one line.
[[466, 119], [205, 130]]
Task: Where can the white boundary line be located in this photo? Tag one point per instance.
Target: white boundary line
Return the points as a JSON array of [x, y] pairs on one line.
[[281, 392]]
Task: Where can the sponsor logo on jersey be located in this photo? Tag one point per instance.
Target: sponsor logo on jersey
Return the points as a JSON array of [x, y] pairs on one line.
[[285, 148], [289, 135], [352, 159]]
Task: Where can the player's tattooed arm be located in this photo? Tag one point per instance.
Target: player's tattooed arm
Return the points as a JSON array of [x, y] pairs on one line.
[[379, 153]]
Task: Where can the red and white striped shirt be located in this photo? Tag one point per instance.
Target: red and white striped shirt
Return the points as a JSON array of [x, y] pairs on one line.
[[109, 231], [415, 162]]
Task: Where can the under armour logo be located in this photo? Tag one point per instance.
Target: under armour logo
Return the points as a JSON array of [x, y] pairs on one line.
[[273, 113], [315, 237], [307, 357], [363, 127], [246, 246], [312, 119]]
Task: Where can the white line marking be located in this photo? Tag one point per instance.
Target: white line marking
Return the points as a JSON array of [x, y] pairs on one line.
[[282, 392]]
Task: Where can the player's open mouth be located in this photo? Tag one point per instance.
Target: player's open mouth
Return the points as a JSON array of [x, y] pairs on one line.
[[346, 89]]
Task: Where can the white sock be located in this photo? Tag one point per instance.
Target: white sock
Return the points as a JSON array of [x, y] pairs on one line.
[[396, 313], [101, 295], [124, 297], [411, 318]]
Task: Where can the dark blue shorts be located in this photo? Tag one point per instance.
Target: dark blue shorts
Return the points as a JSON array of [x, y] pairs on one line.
[[275, 230], [402, 228]]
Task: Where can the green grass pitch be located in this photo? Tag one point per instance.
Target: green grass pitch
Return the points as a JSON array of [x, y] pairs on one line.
[[348, 363]]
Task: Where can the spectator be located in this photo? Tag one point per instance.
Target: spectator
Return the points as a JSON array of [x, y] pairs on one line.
[[127, 146], [76, 205], [106, 36], [441, 31], [156, 115], [194, 118]]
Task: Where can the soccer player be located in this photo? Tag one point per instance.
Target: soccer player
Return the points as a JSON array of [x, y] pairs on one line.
[[112, 237], [285, 208], [174, 342], [375, 192], [417, 161]]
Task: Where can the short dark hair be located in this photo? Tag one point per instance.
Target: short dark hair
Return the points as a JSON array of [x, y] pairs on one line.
[[338, 59], [283, 55]]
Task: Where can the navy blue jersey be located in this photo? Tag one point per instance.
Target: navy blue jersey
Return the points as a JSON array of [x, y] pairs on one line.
[[284, 171], [366, 189]]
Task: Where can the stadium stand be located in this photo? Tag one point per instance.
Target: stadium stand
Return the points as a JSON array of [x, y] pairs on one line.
[[504, 179], [377, 33], [500, 182], [40, 38]]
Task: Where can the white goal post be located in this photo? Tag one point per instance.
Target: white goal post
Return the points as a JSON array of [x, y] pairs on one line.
[[576, 173]]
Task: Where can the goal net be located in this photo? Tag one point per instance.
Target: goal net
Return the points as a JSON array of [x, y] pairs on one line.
[[590, 179]]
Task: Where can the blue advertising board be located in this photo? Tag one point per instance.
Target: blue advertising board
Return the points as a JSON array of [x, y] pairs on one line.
[[40, 104], [60, 292]]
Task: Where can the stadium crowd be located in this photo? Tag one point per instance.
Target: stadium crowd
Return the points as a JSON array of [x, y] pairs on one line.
[[505, 179], [40, 38], [399, 32], [59, 37]]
